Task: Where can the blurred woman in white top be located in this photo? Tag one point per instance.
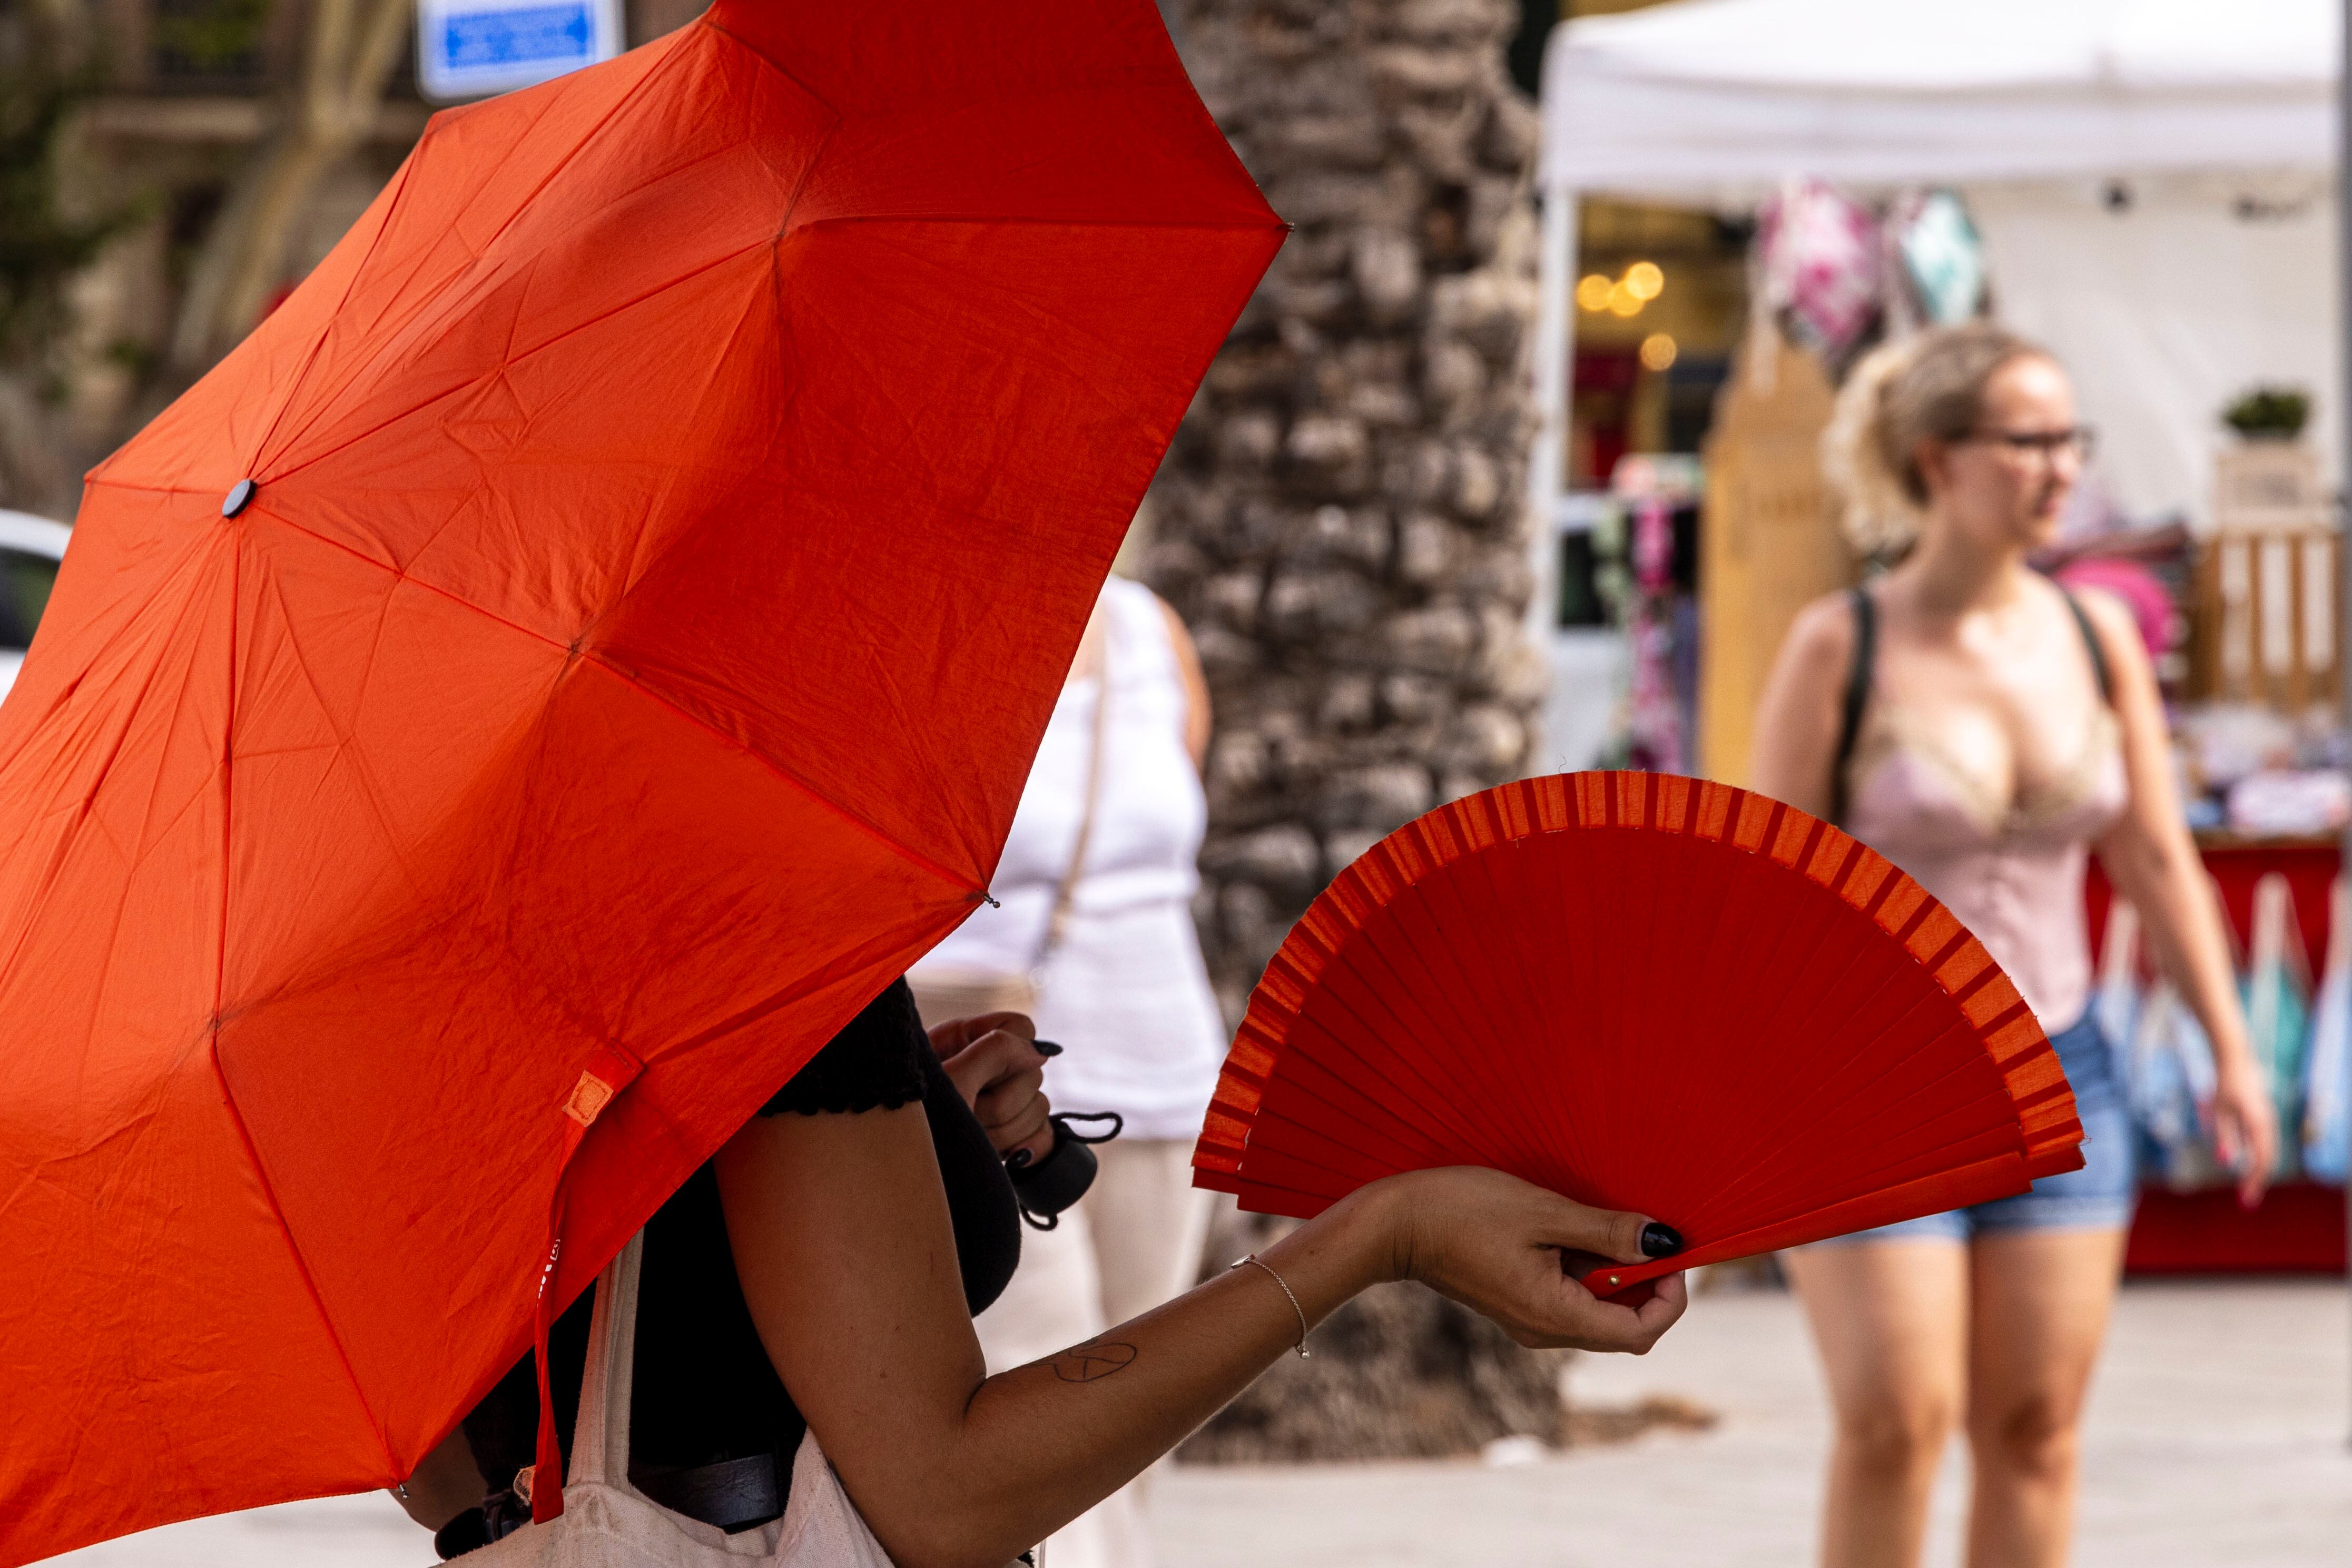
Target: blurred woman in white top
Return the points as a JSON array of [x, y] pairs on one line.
[[1118, 982]]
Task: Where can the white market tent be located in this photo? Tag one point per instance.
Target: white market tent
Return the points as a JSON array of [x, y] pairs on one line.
[[2219, 123]]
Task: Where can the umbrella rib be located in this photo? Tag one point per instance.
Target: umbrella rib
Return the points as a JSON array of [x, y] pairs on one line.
[[319, 344], [914, 857], [477, 253], [220, 981], [301, 1264]]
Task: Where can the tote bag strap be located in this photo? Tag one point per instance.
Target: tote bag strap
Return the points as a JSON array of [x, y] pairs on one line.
[[600, 1444]]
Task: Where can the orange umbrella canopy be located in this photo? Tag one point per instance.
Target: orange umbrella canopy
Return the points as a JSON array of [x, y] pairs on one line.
[[672, 508]]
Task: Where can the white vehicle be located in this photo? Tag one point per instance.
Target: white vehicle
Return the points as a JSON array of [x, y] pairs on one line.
[[30, 549]]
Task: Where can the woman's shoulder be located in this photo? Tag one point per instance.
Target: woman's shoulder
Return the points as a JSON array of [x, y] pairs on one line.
[[1146, 617], [2109, 612], [1823, 632], [1130, 598]]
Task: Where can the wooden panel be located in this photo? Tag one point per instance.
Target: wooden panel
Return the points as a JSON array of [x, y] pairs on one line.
[[2263, 618], [1768, 541]]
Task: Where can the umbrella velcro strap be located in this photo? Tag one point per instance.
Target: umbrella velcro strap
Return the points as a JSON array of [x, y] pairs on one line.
[[608, 1072]]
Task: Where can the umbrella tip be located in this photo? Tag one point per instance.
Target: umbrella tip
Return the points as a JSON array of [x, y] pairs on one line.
[[239, 496]]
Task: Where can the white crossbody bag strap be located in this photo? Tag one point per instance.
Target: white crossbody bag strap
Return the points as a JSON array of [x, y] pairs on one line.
[[600, 1444], [1065, 895]]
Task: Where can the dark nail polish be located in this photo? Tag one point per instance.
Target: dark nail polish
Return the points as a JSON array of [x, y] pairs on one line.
[[1660, 1240], [1017, 1159], [1046, 1048]]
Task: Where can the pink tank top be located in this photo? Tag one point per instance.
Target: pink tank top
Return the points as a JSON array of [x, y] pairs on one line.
[[2012, 870]]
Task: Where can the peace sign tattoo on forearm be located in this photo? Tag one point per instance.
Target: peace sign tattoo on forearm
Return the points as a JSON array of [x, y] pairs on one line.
[[1095, 1359]]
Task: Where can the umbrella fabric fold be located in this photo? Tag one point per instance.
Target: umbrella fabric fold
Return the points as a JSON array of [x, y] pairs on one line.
[[674, 504]]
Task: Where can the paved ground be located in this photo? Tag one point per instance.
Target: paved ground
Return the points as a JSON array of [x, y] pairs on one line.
[[2217, 1437]]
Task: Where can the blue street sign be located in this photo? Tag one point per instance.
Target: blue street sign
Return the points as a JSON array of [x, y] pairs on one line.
[[472, 48]]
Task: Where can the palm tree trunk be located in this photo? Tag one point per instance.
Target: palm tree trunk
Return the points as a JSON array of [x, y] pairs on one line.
[[1340, 519], [1341, 522]]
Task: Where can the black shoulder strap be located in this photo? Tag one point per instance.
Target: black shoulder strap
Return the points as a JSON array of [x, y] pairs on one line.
[[2091, 644], [1857, 692]]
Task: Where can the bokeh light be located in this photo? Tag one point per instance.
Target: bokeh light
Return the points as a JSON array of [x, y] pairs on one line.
[[1657, 352], [1592, 291], [1624, 301], [1645, 280]]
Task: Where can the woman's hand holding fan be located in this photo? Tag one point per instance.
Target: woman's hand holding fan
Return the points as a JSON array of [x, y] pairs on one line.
[[1486, 1239], [1496, 1244], [1645, 994]]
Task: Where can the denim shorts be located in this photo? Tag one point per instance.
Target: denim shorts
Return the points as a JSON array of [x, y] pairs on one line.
[[2099, 1196]]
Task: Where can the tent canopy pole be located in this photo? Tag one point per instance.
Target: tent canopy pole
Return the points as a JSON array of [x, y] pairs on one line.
[[1555, 350], [2344, 419]]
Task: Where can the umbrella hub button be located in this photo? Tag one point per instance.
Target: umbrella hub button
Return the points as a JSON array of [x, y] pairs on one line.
[[239, 496]]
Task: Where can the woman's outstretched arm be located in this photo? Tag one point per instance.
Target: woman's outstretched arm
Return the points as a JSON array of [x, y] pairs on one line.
[[2150, 857], [840, 1230]]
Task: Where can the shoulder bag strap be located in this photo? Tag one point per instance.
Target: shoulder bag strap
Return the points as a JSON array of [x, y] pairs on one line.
[[599, 1443], [1065, 895], [2092, 645], [1857, 695]]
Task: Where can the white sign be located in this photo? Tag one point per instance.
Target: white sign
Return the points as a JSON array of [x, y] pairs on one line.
[[472, 48]]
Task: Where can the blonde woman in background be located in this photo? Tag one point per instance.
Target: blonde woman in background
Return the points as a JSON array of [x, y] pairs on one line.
[[1095, 940], [1985, 730]]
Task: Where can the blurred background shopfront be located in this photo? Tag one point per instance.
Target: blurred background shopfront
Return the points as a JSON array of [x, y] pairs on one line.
[[1742, 196]]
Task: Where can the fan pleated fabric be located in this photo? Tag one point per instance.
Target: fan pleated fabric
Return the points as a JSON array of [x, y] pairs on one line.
[[1644, 992]]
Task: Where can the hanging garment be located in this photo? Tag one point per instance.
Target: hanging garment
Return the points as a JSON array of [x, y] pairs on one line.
[[1940, 256], [2170, 1075], [1822, 264], [2327, 1071], [2273, 990], [2115, 998]]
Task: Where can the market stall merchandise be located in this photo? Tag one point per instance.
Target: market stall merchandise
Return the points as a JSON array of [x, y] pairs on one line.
[[2301, 1225]]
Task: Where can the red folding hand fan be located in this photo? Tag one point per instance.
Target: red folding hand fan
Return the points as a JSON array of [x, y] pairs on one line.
[[1648, 993]]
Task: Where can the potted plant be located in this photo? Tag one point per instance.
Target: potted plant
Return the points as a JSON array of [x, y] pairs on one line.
[[2269, 413]]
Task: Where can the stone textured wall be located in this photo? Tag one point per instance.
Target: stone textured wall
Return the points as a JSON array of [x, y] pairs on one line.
[[1340, 519]]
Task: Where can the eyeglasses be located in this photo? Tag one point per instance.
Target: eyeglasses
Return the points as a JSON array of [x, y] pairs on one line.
[[2079, 440]]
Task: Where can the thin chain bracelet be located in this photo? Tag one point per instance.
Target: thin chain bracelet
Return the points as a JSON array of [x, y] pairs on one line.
[[1301, 1346]]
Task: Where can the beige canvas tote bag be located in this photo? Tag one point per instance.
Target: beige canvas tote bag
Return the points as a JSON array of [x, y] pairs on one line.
[[607, 1523]]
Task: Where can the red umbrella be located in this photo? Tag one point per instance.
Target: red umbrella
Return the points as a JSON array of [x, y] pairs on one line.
[[584, 644]]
